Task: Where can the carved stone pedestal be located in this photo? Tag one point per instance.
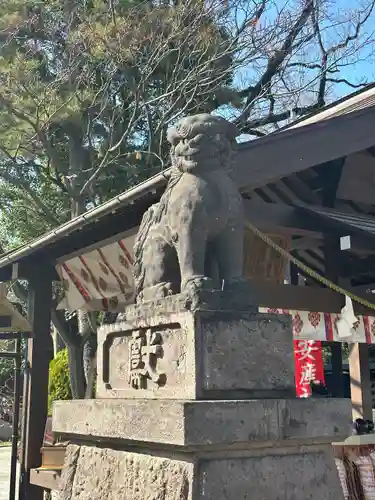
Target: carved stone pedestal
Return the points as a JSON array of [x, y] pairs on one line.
[[205, 354], [197, 405]]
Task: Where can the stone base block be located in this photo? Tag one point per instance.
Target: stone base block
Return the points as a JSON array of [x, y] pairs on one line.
[[204, 423], [201, 354], [93, 473], [269, 449]]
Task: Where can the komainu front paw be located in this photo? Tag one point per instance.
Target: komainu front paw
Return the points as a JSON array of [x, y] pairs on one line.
[[192, 287], [197, 283], [156, 292]]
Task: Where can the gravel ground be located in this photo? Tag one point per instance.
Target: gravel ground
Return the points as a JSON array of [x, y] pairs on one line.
[[5, 454], [4, 472]]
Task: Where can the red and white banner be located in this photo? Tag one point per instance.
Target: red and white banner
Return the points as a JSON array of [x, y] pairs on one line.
[[99, 279], [310, 325], [102, 279], [309, 365]]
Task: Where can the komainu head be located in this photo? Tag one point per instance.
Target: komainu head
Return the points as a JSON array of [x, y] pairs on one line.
[[203, 143]]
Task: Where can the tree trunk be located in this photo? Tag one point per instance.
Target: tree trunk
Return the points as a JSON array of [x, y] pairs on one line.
[[58, 343], [87, 331], [83, 361], [89, 365], [76, 372]]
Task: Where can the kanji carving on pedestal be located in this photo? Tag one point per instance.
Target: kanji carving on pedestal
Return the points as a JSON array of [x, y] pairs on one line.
[[144, 350]]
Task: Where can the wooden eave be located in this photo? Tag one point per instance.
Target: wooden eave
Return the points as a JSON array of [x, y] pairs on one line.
[[281, 154]]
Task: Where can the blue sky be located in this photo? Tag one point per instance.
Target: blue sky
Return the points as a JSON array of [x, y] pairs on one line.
[[338, 19], [364, 68]]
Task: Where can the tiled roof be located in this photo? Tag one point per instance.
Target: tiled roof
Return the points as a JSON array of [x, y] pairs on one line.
[[353, 222], [364, 98]]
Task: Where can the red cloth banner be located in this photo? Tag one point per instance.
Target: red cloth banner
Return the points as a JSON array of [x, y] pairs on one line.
[[309, 365]]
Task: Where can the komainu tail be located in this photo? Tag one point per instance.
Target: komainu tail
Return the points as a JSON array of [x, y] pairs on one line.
[[138, 268], [152, 216]]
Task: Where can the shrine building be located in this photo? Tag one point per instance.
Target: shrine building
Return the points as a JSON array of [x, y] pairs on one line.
[[309, 198]]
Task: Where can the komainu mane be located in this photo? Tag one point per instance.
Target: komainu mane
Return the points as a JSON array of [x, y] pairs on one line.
[[193, 238]]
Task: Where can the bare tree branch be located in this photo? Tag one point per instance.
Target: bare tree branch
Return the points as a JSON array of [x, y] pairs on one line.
[[275, 61], [346, 82]]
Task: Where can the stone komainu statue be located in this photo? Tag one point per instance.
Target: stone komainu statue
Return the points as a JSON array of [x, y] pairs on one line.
[[193, 238]]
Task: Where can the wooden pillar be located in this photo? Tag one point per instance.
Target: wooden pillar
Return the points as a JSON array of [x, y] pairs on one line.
[[332, 254], [360, 376], [332, 271], [359, 368], [360, 383], [40, 352], [294, 279], [336, 363]]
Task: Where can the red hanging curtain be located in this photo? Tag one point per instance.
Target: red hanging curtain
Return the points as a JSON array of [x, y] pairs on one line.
[[309, 365]]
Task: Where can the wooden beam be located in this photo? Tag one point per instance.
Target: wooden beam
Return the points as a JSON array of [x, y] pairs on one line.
[[312, 260], [284, 192], [331, 174], [356, 267], [293, 150], [365, 289], [305, 243], [357, 182], [305, 193], [354, 225], [6, 273], [280, 218], [305, 298], [40, 352], [21, 270], [18, 270]]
